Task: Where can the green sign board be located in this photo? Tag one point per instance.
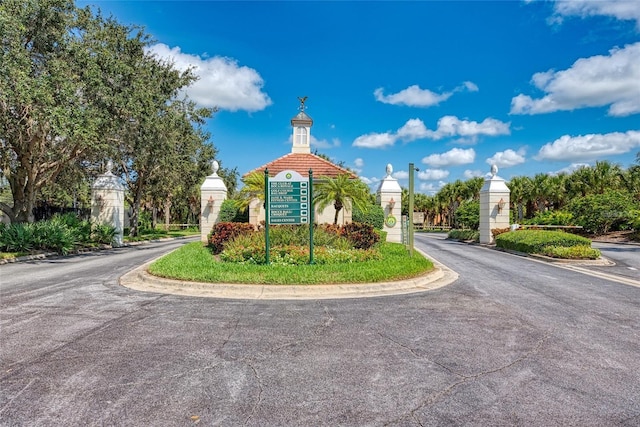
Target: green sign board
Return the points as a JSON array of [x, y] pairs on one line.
[[288, 198]]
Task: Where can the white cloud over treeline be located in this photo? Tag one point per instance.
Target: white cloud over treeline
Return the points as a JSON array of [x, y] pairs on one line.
[[589, 147], [221, 83]]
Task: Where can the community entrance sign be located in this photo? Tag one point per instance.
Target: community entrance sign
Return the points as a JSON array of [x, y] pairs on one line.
[[288, 198]]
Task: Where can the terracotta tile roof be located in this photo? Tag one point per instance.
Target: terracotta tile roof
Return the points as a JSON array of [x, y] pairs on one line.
[[301, 163]]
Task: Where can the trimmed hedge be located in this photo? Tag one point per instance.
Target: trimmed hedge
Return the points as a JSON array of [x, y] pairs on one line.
[[473, 235], [535, 241], [373, 215]]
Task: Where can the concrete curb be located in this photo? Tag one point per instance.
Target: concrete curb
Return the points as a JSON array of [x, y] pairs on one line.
[[139, 279]]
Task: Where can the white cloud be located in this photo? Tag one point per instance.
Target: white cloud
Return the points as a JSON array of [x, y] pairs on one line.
[[433, 174], [471, 86], [222, 82], [619, 9], [359, 162], [375, 140], [589, 147], [453, 157], [412, 96], [369, 181], [430, 187], [570, 169], [590, 82], [448, 126], [322, 143], [468, 174], [413, 129], [400, 175], [507, 158]]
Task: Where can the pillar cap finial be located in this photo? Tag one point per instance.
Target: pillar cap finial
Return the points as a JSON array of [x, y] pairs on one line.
[[389, 170], [216, 167], [494, 170]]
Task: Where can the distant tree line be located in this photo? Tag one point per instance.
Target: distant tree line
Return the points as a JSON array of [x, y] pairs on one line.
[[600, 198]]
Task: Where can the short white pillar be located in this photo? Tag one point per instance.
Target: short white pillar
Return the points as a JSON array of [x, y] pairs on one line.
[[212, 193], [494, 206], [107, 203], [389, 196]]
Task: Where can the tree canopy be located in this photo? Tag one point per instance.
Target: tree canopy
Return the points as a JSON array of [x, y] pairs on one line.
[[76, 89]]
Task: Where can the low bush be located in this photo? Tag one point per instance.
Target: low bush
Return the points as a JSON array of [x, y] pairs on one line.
[[62, 234], [573, 252], [222, 232], [372, 215], [103, 233], [466, 235], [534, 241], [294, 255], [362, 236], [16, 237]]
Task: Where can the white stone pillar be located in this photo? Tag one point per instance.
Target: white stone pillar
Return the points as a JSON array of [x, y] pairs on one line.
[[389, 195], [212, 193], [494, 206], [107, 203]]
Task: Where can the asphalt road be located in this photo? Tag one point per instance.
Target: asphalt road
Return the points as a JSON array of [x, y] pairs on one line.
[[511, 342]]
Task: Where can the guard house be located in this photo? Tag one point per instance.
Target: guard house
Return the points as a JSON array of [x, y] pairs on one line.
[[301, 160]]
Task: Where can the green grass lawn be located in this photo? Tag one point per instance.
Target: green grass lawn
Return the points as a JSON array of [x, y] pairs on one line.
[[194, 262]]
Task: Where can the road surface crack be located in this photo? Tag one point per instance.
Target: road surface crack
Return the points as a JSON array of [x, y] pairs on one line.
[[436, 396], [258, 401]]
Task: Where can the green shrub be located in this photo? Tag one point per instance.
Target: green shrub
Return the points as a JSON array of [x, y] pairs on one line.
[[228, 211], [372, 215], [600, 213], [103, 233], [16, 237], [573, 252], [534, 241], [237, 252], [551, 217], [53, 235], [222, 232], [468, 214], [472, 235]]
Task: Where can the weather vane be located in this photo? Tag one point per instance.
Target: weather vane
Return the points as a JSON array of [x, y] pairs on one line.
[[302, 101]]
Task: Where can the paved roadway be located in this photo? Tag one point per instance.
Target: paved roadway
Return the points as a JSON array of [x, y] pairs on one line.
[[511, 342]]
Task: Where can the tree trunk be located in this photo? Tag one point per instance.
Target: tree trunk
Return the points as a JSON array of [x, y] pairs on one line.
[[135, 210], [338, 207], [167, 213]]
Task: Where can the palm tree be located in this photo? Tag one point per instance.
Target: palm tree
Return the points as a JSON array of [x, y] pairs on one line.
[[473, 187], [520, 187], [607, 176], [341, 191], [253, 189]]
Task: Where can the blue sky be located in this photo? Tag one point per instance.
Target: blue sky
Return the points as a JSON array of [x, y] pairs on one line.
[[535, 87]]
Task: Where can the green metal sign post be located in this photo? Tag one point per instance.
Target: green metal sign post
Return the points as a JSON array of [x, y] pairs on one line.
[[311, 210], [266, 213]]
